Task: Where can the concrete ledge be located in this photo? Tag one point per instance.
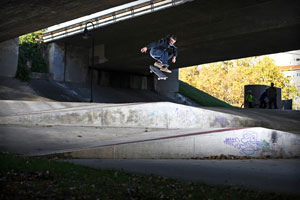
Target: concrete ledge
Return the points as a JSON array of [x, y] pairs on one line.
[[153, 115], [252, 142]]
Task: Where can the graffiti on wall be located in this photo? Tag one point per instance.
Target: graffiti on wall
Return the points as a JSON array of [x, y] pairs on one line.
[[248, 144]]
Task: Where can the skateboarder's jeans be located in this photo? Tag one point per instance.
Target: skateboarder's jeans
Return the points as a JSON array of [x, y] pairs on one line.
[[161, 56]]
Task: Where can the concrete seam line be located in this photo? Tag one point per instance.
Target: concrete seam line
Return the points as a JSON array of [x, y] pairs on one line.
[[176, 136]]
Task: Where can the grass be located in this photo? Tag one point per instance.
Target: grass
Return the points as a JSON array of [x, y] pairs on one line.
[[201, 97], [41, 178]]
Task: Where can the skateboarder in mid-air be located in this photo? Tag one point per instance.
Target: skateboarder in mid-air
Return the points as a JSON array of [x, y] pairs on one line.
[[163, 50]]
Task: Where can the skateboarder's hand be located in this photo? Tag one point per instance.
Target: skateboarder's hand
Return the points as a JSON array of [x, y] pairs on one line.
[[144, 50], [174, 59]]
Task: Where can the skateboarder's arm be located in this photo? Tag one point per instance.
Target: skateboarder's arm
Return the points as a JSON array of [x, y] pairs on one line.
[[175, 51], [152, 45], [156, 43], [174, 54]]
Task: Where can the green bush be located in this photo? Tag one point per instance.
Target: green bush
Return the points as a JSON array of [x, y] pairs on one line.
[[30, 50]]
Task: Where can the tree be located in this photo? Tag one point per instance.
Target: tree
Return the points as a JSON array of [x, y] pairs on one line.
[[30, 51], [226, 80]]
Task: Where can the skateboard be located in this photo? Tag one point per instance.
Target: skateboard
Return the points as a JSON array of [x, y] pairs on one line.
[[160, 75]]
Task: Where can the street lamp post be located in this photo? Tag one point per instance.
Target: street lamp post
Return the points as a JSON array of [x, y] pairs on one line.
[[85, 36]]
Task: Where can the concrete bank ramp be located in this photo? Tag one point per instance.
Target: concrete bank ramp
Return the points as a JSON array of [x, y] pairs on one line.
[[137, 130], [252, 142], [152, 115]]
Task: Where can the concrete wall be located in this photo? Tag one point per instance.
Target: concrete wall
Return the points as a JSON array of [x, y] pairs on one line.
[[69, 63], [77, 64], [9, 53], [165, 115], [99, 54], [124, 80], [56, 61], [252, 142]]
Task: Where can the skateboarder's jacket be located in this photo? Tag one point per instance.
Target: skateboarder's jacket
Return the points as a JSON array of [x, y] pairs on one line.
[[163, 44]]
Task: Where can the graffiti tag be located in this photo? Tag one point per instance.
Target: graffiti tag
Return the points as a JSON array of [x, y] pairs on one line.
[[248, 144]]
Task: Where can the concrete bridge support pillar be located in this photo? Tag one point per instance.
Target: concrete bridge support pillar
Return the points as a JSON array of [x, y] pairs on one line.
[[69, 63], [56, 63], [168, 87], [9, 53]]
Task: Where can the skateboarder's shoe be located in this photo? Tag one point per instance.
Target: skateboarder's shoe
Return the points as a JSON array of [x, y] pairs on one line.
[[165, 69], [158, 64]]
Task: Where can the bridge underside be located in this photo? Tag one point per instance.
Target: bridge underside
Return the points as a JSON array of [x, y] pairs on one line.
[[18, 17], [207, 31]]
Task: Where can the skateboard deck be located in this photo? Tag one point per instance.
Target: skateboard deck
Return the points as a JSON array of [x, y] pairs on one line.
[[160, 75]]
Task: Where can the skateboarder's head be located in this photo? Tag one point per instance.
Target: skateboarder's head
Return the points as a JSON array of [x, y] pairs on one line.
[[173, 39]]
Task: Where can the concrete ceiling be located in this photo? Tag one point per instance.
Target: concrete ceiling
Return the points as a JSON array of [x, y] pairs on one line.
[[18, 17], [207, 31]]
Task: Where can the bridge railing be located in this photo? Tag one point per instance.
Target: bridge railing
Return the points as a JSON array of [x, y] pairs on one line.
[[110, 18]]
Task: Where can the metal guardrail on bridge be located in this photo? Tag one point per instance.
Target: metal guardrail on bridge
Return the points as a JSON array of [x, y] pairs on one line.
[[125, 13]]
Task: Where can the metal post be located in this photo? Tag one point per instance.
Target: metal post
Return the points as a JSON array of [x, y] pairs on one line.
[[93, 58], [65, 62], [85, 36]]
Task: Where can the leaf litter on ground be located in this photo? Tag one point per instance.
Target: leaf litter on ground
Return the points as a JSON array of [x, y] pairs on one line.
[[40, 178]]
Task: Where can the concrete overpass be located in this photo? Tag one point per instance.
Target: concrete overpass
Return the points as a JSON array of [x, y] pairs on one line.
[[19, 17], [207, 31]]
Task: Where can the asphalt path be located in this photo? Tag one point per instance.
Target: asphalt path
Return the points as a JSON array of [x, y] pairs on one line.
[[276, 175]]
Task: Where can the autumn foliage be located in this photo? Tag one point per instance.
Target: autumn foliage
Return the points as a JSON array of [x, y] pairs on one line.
[[226, 80]]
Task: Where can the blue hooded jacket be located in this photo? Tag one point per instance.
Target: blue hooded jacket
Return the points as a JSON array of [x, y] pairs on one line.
[[164, 45]]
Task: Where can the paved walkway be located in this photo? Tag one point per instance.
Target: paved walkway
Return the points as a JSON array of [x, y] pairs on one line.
[[279, 175]]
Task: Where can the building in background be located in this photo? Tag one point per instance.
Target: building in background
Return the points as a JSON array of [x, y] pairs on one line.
[[289, 63]]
